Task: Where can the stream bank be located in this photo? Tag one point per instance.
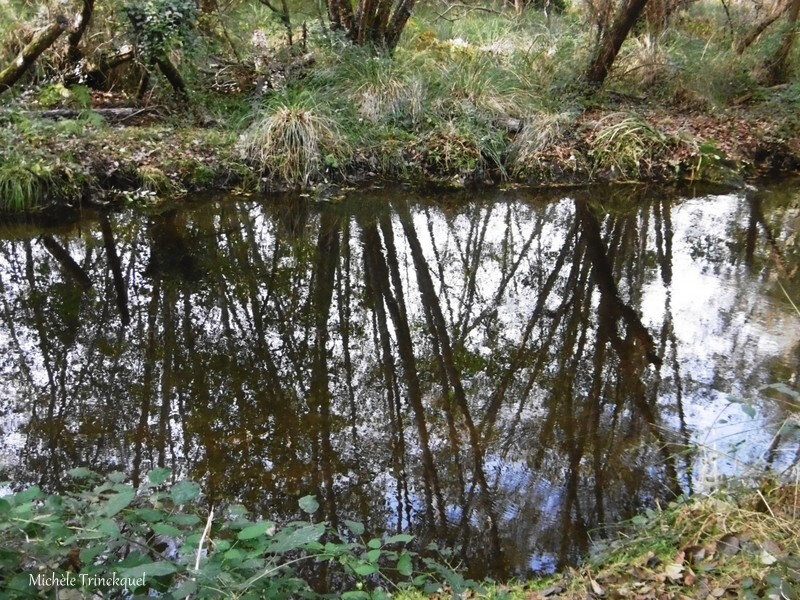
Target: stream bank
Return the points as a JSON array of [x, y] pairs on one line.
[[61, 165]]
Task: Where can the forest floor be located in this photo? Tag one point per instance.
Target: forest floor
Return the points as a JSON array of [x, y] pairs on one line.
[[732, 543]]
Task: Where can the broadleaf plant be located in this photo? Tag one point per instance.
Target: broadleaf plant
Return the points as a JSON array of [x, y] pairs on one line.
[[104, 536]]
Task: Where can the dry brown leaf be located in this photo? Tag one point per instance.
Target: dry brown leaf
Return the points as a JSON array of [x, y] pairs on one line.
[[728, 544], [597, 589], [674, 572]]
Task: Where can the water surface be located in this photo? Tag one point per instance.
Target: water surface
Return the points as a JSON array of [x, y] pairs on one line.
[[504, 374]]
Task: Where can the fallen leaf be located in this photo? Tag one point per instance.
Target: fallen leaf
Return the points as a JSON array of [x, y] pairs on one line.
[[552, 590], [597, 589], [694, 554], [773, 548], [674, 572], [728, 544], [767, 558]]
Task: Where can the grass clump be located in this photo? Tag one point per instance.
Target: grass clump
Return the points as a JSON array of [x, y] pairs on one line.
[[383, 89], [294, 141], [736, 541], [626, 143], [539, 132], [467, 150], [23, 183], [154, 179]]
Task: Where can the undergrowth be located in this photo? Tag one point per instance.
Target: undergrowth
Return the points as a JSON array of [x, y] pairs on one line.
[[161, 538]]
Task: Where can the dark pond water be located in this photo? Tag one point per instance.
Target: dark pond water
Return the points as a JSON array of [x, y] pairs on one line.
[[505, 374]]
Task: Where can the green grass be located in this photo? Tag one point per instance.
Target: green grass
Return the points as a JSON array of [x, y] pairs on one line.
[[23, 183]]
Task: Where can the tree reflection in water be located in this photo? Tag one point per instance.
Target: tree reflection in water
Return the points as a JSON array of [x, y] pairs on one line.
[[502, 377]]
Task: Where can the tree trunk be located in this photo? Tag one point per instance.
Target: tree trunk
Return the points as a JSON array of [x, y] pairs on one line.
[[66, 261], [612, 40], [741, 45], [41, 41], [398, 22], [776, 70], [284, 16], [373, 22], [97, 78], [170, 71], [73, 52]]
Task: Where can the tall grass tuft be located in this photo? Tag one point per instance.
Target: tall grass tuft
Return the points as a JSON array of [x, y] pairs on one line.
[[22, 183], [294, 141], [539, 131], [626, 142]]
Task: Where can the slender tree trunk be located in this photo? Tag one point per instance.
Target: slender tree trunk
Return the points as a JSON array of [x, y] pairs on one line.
[[741, 45], [776, 70], [170, 71], [612, 40], [398, 22], [120, 288], [284, 16], [66, 261], [74, 53], [41, 41]]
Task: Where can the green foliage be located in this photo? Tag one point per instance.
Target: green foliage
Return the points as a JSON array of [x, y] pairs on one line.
[[164, 540], [161, 25]]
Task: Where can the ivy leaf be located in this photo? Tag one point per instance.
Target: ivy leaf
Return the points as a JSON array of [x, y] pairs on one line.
[[399, 538], [167, 530], [183, 590], [356, 527], [365, 569], [749, 410], [285, 540], [80, 473], [309, 504], [404, 564], [158, 476]]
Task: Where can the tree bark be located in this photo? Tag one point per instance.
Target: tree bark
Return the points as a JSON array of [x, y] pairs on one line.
[[776, 70], [398, 22], [41, 41], [373, 22], [612, 40]]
